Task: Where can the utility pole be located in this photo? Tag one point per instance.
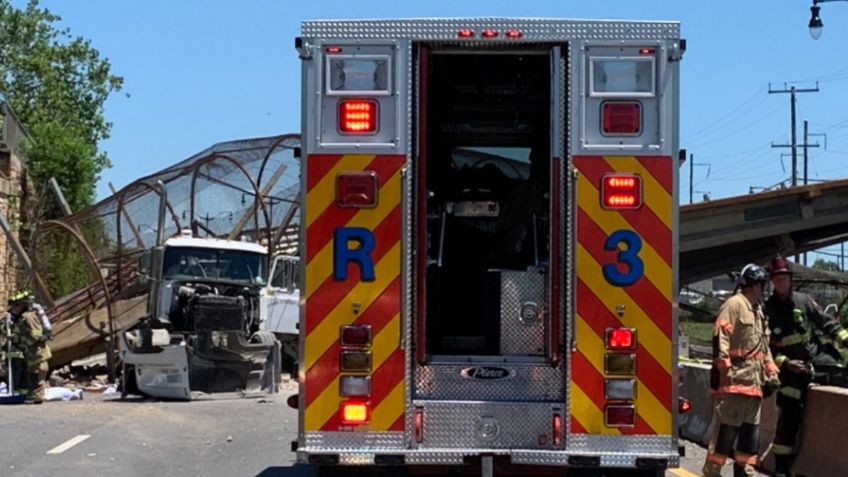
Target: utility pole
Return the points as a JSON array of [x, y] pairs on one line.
[[792, 91], [692, 174], [806, 146]]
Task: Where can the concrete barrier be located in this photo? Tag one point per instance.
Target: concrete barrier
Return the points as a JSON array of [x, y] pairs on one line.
[[824, 450], [695, 424]]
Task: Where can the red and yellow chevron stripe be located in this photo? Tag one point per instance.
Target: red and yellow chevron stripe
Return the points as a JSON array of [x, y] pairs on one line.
[[332, 303], [647, 301]]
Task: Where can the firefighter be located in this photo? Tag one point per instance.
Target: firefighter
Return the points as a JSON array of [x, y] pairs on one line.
[[29, 340], [742, 368], [795, 319]]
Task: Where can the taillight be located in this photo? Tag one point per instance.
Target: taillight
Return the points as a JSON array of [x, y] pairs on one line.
[[684, 405], [419, 425], [356, 335], [358, 116], [355, 386], [359, 361], [621, 118], [354, 412], [557, 429], [620, 364], [356, 189], [621, 191], [620, 416], [620, 338], [620, 389]]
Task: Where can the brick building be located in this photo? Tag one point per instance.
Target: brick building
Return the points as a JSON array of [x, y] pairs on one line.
[[12, 135]]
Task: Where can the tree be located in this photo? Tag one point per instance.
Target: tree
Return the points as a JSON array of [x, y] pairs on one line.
[[57, 85], [826, 265]]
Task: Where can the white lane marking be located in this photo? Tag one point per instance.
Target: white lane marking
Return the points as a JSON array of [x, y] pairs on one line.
[[68, 444]]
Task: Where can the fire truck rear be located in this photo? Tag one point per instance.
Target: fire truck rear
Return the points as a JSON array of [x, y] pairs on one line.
[[489, 242]]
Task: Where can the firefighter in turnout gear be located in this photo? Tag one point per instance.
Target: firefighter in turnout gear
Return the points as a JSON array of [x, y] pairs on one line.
[[795, 320], [29, 336], [742, 369]]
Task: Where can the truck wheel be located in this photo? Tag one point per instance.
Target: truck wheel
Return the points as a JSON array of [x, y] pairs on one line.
[[263, 337]]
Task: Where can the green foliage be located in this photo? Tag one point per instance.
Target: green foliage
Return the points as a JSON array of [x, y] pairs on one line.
[[57, 84], [826, 265], [72, 273], [698, 333]]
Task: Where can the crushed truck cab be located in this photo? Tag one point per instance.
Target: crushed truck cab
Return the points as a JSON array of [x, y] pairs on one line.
[[204, 331], [489, 236]]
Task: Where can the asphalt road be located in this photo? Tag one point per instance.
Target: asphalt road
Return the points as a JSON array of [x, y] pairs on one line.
[[229, 436]]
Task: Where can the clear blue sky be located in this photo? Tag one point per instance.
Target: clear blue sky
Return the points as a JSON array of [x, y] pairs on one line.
[[200, 72]]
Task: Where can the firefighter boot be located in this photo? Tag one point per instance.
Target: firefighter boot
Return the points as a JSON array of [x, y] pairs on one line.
[[743, 470], [782, 464], [711, 469]]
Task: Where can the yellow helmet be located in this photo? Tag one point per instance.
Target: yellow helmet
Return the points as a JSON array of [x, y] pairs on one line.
[[19, 296]]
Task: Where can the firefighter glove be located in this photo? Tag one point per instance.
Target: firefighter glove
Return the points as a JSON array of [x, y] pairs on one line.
[[772, 385], [797, 366]]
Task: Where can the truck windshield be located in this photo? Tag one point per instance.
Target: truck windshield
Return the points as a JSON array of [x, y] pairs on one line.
[[211, 264]]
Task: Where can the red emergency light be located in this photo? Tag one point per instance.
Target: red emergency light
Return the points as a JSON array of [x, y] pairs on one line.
[[355, 412], [514, 34], [621, 118], [621, 338], [465, 33], [684, 405], [489, 33], [621, 191], [358, 116]]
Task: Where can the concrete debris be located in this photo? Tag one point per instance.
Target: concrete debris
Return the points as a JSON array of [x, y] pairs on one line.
[[229, 438], [89, 374]]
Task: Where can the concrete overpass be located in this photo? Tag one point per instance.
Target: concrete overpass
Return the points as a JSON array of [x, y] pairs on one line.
[[718, 236]]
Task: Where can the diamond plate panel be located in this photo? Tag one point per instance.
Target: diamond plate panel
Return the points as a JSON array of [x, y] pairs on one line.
[[523, 313], [532, 29], [475, 425], [435, 458], [530, 382], [636, 445], [353, 441]]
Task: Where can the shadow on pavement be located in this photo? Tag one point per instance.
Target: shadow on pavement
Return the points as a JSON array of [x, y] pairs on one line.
[[297, 470]]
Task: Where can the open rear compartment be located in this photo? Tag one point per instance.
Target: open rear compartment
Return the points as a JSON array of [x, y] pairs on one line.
[[487, 116]]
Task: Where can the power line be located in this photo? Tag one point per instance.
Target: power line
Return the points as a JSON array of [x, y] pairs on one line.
[[705, 131], [738, 129]]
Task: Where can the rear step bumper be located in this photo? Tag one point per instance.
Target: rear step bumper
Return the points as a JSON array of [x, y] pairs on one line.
[[462, 456]]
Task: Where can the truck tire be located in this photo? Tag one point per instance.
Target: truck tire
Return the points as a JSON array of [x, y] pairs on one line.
[[263, 337]]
